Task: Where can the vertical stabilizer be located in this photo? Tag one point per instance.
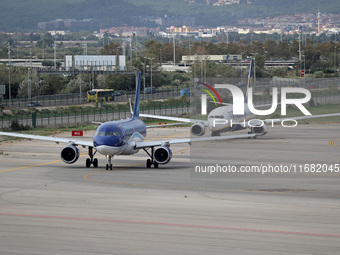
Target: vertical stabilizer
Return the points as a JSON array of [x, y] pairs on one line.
[[137, 98], [250, 79]]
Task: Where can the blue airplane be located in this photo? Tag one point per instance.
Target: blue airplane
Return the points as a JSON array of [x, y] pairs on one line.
[[122, 137]]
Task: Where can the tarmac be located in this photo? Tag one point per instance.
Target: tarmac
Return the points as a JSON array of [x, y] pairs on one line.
[[48, 207]]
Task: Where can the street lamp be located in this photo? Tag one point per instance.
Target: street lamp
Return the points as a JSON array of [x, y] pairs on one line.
[[43, 45], [151, 74], [304, 68], [160, 57], [85, 48], [117, 57], [55, 52], [339, 65], [9, 72], [254, 54], [174, 50], [334, 60], [144, 64]]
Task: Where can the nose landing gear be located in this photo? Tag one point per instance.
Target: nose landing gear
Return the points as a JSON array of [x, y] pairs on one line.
[[109, 164], [91, 161]]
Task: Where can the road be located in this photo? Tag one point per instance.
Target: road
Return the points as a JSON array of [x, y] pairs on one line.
[[48, 207]]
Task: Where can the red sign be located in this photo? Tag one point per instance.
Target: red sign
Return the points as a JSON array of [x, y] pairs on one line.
[[77, 133], [302, 73]]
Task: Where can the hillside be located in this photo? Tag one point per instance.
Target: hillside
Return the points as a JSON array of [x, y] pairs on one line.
[[23, 15]]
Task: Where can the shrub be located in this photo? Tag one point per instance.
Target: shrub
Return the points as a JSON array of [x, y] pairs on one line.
[[16, 126]]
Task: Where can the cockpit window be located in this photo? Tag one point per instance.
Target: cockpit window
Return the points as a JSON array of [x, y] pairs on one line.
[[106, 133]]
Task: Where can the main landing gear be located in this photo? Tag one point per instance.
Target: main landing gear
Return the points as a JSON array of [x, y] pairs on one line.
[[215, 133], [109, 164], [91, 161], [151, 161], [249, 133]]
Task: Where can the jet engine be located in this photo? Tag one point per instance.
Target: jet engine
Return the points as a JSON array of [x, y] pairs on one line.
[[162, 155], [197, 129], [69, 154], [259, 130]]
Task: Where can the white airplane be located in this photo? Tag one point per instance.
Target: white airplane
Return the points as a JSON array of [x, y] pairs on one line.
[[222, 119], [122, 137]]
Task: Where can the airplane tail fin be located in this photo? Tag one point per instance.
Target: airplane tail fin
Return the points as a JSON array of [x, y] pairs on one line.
[[135, 113], [250, 78]]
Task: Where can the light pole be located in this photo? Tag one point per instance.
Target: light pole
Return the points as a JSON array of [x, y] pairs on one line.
[[334, 60], [160, 57], [300, 50], [304, 69], [205, 70], [85, 48], [144, 78], [254, 71], [130, 50], [174, 50], [80, 89], [9, 72], [151, 74], [136, 46], [55, 53], [339, 65], [117, 58], [43, 45], [29, 81], [254, 54]]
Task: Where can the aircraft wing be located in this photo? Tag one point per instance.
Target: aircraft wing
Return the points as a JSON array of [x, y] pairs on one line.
[[164, 125], [50, 138], [304, 117], [146, 144], [173, 118]]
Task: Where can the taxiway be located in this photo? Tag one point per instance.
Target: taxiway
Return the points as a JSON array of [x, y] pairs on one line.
[[48, 207]]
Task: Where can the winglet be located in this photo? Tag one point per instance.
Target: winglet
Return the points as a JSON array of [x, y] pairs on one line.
[[135, 113]]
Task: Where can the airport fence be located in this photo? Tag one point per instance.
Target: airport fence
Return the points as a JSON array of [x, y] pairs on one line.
[[86, 116], [81, 98]]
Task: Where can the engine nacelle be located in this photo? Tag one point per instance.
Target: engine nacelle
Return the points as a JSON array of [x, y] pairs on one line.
[[162, 155], [259, 130], [69, 154], [197, 129]]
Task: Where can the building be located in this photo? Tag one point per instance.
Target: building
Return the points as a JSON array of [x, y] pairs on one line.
[[95, 62]]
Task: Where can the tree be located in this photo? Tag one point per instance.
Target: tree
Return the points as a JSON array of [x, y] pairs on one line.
[[120, 82], [54, 84], [282, 51], [259, 62], [269, 46], [74, 85], [111, 49], [46, 41], [257, 47]]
